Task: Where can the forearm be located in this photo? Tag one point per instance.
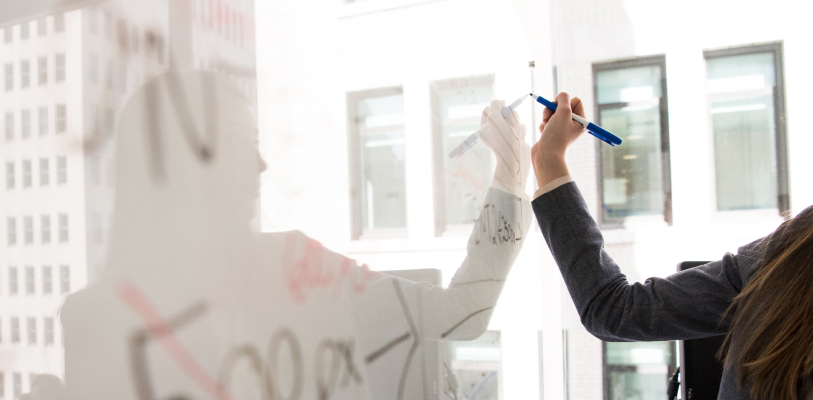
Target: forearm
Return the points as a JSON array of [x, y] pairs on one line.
[[685, 305], [461, 311]]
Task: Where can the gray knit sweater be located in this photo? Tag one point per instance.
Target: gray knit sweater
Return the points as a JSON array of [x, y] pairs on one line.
[[687, 305]]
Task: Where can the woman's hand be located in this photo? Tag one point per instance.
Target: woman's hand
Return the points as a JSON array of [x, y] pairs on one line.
[[506, 138], [559, 131]]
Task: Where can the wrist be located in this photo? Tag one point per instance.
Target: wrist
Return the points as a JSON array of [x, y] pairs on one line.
[[548, 167]]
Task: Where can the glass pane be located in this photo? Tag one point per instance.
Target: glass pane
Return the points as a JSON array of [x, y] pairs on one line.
[[628, 85], [458, 110], [476, 366], [743, 122], [638, 371], [383, 188], [632, 173]]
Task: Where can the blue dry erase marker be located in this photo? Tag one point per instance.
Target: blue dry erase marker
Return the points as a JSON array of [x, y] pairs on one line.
[[594, 129]]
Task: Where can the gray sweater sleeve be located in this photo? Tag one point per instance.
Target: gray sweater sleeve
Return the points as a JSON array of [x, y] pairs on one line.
[[686, 305]]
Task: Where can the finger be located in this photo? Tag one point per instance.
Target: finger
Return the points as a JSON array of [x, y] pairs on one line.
[[565, 112], [577, 106], [546, 114]]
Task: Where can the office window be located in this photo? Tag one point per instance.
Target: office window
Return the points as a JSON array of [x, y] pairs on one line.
[[45, 229], [25, 73], [13, 284], [377, 160], [44, 172], [15, 330], [30, 281], [93, 69], [11, 228], [95, 170], [61, 118], [745, 90], [461, 184], [32, 331], [9, 76], [59, 22], [47, 280], [18, 380], [43, 120], [63, 228], [59, 73], [476, 365], [27, 173], [631, 102], [25, 123], [48, 330], [42, 27], [8, 34], [28, 230], [10, 175], [42, 66], [136, 40], [9, 131], [637, 370], [24, 30], [64, 279], [61, 170]]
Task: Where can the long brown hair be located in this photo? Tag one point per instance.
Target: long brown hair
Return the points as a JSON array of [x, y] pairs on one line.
[[770, 341]]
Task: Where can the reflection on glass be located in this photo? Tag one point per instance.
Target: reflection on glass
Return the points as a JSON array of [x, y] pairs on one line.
[[633, 181], [638, 371], [476, 367], [383, 189], [740, 91], [458, 106]]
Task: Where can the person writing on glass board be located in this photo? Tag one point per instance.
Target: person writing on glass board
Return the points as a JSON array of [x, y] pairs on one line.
[[194, 303], [761, 297]]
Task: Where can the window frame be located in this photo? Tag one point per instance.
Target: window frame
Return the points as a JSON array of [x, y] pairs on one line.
[[658, 60], [357, 230], [780, 118]]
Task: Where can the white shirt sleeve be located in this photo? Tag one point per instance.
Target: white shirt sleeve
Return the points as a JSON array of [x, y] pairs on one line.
[[553, 185]]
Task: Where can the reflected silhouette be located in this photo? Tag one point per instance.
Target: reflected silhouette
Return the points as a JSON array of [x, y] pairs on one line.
[[193, 303]]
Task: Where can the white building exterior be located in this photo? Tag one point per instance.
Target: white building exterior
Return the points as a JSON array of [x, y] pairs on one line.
[[95, 58], [83, 65], [315, 57]]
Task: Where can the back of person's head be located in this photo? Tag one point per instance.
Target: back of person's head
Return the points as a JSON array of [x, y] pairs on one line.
[[770, 342]]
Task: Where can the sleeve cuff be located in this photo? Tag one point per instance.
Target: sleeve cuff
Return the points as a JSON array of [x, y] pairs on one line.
[[553, 185]]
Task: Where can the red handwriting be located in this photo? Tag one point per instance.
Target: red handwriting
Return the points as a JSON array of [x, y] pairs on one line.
[[161, 330], [319, 268]]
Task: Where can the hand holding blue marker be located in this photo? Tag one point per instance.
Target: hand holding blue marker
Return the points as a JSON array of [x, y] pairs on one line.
[[594, 129]]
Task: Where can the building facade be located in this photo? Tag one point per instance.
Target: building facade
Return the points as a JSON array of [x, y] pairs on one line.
[[66, 78]]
